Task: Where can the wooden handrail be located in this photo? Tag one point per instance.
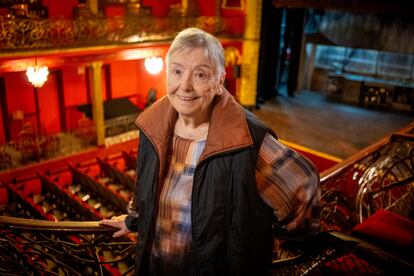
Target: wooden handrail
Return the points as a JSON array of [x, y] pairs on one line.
[[84, 227], [340, 167]]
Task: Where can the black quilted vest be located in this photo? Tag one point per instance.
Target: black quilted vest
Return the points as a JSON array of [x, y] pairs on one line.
[[231, 225]]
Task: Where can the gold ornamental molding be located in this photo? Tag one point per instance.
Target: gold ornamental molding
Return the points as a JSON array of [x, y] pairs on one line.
[[40, 34]]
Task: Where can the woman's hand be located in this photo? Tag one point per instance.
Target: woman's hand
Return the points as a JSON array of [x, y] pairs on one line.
[[116, 222]]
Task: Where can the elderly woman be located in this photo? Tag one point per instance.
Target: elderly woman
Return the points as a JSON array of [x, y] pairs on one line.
[[214, 186]]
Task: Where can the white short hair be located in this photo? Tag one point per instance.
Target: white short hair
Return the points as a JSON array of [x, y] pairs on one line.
[[197, 38]]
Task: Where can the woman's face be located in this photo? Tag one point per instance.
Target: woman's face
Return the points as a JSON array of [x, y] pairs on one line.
[[192, 83]]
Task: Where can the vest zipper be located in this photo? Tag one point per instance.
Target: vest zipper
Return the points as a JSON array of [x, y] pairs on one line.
[[151, 228], [195, 179], [192, 224]]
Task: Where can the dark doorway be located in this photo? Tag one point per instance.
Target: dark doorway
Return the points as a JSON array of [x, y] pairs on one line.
[[280, 50], [269, 51]]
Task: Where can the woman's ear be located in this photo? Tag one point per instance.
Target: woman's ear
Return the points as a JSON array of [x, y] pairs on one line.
[[222, 78]]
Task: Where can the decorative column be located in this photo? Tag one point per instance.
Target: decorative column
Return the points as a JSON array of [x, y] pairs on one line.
[[93, 6], [97, 102], [251, 48]]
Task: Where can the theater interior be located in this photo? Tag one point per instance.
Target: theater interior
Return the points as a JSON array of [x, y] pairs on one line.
[[334, 79]]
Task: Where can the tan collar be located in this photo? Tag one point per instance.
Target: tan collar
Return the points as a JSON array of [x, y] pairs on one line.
[[228, 128]]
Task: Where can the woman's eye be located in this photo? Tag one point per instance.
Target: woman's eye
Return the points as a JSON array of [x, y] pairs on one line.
[[201, 75]]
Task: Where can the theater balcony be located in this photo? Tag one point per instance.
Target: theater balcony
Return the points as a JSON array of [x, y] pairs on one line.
[[103, 63], [68, 142]]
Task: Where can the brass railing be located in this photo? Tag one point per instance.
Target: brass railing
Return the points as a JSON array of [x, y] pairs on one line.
[[357, 187], [25, 34], [62, 248]]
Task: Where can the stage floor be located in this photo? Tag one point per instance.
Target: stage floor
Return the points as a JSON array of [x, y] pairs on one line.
[[333, 128]]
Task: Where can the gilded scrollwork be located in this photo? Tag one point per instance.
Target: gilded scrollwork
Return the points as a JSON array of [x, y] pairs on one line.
[[28, 33]]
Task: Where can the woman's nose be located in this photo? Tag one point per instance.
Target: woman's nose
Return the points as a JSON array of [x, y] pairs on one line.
[[187, 82]]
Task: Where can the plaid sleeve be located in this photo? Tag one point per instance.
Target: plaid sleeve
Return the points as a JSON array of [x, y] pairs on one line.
[[289, 183]]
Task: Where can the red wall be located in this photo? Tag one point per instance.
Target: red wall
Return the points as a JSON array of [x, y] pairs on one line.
[[74, 83], [60, 8], [19, 93], [124, 78], [2, 137], [75, 93], [20, 96], [159, 8], [207, 7], [48, 106], [130, 79]]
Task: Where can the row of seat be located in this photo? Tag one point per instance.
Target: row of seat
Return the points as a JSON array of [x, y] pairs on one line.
[[83, 192]]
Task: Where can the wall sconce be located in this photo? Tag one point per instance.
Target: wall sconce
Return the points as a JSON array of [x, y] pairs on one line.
[[37, 75], [154, 65]]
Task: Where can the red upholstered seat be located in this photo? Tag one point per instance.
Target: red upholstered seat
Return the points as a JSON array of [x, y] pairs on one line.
[[32, 187], [3, 196], [388, 226]]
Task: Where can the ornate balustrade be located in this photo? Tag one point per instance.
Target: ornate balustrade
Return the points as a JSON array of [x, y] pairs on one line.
[[62, 248], [85, 248], [24, 34], [120, 125], [376, 178], [28, 150]]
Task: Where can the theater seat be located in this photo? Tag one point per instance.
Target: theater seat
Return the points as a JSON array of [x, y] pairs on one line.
[[32, 187], [3, 196], [389, 227]]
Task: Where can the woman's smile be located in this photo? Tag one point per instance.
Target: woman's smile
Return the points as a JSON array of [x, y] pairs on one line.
[[187, 98]]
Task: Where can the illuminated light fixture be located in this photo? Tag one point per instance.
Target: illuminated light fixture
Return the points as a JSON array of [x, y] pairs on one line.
[[37, 75], [133, 39], [154, 65]]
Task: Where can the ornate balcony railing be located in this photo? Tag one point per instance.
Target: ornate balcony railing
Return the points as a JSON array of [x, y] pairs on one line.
[[26, 34], [120, 125], [380, 177], [37, 247], [36, 148], [34, 247]]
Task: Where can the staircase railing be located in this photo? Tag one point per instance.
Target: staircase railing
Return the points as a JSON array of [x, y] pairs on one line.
[[62, 248]]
